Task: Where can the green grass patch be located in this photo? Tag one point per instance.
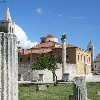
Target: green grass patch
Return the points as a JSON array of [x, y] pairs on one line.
[[59, 92]]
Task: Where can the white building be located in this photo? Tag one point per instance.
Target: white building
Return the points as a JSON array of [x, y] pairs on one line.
[[8, 23]]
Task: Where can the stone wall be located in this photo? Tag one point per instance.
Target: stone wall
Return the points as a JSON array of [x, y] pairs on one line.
[[27, 74], [9, 67], [25, 71]]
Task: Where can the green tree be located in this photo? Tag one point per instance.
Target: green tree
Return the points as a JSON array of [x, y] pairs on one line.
[[47, 62], [3, 29]]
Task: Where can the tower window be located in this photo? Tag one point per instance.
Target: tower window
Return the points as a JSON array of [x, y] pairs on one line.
[[90, 49]]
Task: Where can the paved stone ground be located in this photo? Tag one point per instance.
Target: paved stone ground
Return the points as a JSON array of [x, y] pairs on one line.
[[94, 78]]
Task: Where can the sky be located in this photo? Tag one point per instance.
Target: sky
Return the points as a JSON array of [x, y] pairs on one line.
[[79, 19]]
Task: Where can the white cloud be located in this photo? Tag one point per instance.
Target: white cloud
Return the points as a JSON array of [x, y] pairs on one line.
[[60, 15], [91, 27], [49, 11], [77, 17], [24, 42], [39, 10]]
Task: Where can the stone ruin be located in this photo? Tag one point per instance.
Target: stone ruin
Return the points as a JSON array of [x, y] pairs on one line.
[[79, 89], [9, 67]]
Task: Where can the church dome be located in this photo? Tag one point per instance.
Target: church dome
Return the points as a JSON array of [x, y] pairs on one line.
[[49, 38], [98, 56]]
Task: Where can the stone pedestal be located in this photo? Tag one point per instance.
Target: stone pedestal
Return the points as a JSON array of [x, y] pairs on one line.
[[9, 67], [66, 76]]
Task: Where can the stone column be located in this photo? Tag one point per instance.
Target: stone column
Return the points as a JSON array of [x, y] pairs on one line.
[[63, 39], [9, 67]]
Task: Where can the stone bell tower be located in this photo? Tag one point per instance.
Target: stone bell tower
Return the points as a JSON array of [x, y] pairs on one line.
[[90, 48], [63, 39], [8, 23]]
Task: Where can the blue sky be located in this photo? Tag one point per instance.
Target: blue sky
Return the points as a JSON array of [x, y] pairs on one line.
[[80, 19]]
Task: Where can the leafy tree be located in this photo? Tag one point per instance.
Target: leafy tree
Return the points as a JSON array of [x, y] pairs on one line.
[[47, 62], [3, 29]]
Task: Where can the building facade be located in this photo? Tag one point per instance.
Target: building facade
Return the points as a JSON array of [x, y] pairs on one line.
[[49, 45], [78, 56]]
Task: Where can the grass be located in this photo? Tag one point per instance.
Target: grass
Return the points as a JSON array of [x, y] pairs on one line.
[[59, 92]]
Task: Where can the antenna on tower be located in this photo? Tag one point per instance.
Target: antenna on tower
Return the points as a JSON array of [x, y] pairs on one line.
[[7, 4]]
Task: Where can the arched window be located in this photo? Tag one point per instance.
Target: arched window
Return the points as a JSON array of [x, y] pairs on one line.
[[95, 66], [89, 59], [81, 57], [78, 57], [84, 58], [10, 29]]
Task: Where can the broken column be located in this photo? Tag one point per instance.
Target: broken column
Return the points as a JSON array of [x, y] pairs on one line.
[[79, 89], [9, 67]]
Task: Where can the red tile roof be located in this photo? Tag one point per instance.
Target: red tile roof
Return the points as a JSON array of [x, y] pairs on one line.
[[69, 45], [48, 36], [45, 45], [44, 48]]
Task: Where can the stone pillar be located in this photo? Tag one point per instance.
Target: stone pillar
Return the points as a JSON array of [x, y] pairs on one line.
[[9, 67], [79, 88], [63, 39]]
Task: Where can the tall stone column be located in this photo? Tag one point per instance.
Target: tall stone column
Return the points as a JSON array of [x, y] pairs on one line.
[[9, 67], [63, 39]]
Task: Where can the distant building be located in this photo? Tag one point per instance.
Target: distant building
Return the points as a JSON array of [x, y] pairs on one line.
[[8, 23], [97, 64], [90, 48], [49, 45]]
